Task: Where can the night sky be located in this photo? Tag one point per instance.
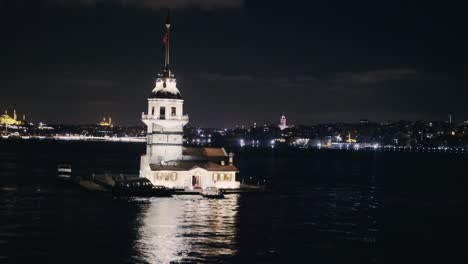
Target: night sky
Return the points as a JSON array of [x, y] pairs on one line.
[[236, 62]]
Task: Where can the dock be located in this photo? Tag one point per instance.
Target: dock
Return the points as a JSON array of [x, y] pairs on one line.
[[244, 188], [104, 183], [92, 186], [247, 188]]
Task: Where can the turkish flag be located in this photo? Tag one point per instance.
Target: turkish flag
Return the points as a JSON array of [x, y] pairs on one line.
[[165, 39]]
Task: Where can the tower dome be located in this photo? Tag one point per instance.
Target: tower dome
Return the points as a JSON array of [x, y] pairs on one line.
[[166, 88]]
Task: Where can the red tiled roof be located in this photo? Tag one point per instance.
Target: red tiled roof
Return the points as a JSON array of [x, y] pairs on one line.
[[211, 166], [205, 152]]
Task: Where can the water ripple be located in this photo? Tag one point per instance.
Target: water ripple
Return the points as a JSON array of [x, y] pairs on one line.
[[187, 229]]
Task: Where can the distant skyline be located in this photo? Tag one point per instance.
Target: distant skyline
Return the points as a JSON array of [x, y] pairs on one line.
[[237, 62], [258, 123]]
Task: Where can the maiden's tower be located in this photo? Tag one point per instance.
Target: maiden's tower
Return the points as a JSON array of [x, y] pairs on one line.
[[167, 162]]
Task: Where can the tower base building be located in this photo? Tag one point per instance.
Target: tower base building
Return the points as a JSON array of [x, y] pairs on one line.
[[198, 168]]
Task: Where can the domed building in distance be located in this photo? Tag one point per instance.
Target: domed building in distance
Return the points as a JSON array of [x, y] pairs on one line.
[[167, 162], [6, 120], [106, 123]]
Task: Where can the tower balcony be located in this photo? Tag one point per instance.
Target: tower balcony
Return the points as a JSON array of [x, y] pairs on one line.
[[164, 117]]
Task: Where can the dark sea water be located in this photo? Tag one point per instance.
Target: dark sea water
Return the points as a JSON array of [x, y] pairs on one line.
[[327, 207]]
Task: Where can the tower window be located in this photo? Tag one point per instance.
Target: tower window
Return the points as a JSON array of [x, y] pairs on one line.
[[162, 112], [152, 110], [173, 111]]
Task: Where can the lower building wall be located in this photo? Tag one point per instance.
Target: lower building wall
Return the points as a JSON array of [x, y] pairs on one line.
[[169, 179], [197, 178]]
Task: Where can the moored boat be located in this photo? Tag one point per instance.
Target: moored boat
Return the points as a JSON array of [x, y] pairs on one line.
[[212, 192], [139, 187], [64, 174]]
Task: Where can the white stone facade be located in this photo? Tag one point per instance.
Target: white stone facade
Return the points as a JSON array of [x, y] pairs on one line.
[[164, 133], [194, 178]]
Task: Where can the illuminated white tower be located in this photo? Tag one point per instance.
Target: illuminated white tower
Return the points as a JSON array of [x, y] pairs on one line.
[[166, 162], [282, 124], [165, 119]]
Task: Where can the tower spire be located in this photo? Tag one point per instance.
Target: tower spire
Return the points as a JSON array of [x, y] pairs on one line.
[[166, 41]]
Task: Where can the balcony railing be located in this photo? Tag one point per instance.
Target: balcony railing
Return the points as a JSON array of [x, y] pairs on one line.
[[165, 117]]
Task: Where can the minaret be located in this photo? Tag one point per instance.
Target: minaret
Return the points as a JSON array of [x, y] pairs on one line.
[[165, 120]]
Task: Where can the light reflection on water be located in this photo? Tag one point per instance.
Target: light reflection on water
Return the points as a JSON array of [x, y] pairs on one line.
[[328, 208], [187, 228]]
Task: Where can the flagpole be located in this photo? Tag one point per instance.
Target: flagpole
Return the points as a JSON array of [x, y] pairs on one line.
[[168, 25]]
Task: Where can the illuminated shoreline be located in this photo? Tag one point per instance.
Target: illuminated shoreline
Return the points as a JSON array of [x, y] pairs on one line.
[[81, 138]]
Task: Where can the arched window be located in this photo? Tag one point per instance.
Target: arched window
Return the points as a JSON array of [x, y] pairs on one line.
[[228, 177]]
